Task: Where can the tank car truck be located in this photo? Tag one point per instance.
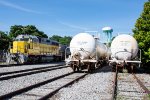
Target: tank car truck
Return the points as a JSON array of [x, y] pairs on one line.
[[86, 52], [125, 53]]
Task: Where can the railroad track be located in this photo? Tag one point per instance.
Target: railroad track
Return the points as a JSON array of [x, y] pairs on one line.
[[95, 86], [20, 73], [12, 65], [9, 65], [44, 89], [28, 69], [129, 86]]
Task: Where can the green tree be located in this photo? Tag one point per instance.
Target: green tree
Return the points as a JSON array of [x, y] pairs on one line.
[[142, 33], [56, 37], [16, 30], [63, 40], [4, 41], [29, 29], [41, 34]]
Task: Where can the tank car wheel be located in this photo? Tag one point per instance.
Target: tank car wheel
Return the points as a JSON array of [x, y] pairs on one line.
[[78, 69], [132, 69], [113, 68], [74, 68], [93, 66], [89, 68]]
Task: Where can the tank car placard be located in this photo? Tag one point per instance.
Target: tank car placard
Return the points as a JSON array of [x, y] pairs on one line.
[[82, 42]]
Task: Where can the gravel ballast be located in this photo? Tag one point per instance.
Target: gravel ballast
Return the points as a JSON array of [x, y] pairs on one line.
[[96, 86], [10, 85]]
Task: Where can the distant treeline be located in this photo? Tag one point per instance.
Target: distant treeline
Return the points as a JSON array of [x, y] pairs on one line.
[[7, 37]]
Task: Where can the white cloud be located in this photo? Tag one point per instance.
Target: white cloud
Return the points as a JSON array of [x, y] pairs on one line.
[[8, 4], [72, 26]]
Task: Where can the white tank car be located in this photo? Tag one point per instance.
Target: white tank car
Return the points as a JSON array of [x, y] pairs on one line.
[[124, 47], [102, 50], [83, 46], [86, 52]]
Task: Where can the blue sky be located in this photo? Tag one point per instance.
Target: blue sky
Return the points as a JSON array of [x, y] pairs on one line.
[[69, 17]]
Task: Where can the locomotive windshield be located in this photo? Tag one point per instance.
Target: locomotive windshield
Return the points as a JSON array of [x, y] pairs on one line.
[[27, 38]]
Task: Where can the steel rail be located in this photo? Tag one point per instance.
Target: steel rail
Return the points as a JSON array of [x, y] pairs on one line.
[[25, 89], [11, 65], [26, 70], [29, 73], [142, 85], [114, 94], [55, 91]]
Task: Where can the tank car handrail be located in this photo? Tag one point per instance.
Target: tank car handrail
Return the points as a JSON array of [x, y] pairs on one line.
[[66, 52], [133, 61]]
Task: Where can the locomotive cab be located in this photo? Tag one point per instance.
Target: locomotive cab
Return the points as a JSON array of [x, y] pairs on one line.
[[21, 47], [22, 43]]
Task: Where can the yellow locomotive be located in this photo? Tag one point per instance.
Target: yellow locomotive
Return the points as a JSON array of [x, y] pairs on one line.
[[28, 48]]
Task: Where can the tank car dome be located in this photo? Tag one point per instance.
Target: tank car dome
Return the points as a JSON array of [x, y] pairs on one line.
[[82, 44], [124, 47]]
